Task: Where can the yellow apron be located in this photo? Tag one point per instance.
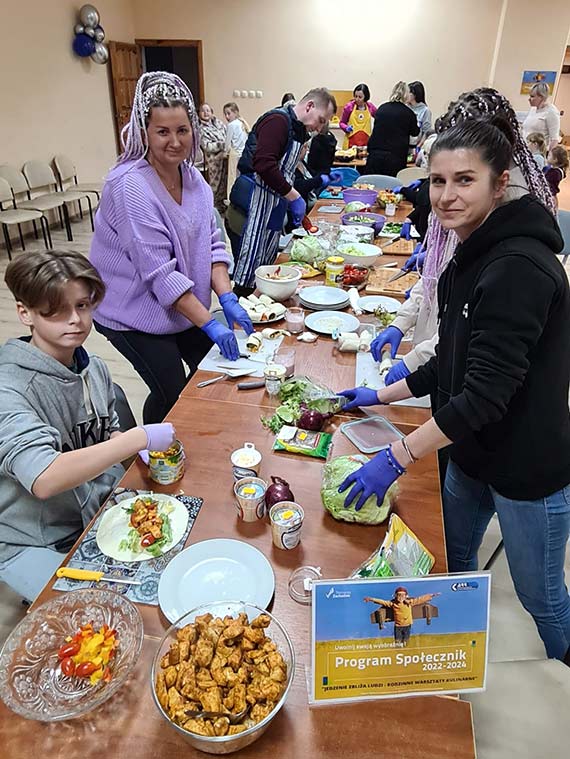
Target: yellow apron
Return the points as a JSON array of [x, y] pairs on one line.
[[361, 122]]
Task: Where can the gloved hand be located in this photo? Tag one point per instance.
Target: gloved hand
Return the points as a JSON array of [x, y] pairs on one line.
[[407, 293], [224, 339], [397, 190], [406, 230], [391, 336], [235, 313], [359, 396], [335, 177], [349, 129], [159, 437], [298, 209], [325, 180], [373, 478], [397, 372], [416, 261], [414, 184]]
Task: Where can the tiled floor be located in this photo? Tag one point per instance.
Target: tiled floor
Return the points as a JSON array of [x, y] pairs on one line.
[[513, 634]]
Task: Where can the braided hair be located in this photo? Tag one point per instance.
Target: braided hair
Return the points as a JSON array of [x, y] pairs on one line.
[[156, 89], [482, 104]]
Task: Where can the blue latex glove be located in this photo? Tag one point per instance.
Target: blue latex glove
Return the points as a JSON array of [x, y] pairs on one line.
[[298, 209], [414, 184], [406, 230], [224, 339], [416, 261], [396, 190], [397, 372], [234, 313], [407, 293], [325, 180], [359, 396], [373, 478], [391, 336], [335, 177], [349, 129]]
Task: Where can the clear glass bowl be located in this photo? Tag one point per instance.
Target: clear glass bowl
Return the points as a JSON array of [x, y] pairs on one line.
[[31, 681], [227, 744]]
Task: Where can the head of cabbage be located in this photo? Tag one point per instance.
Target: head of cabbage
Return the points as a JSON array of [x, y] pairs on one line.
[[334, 472]]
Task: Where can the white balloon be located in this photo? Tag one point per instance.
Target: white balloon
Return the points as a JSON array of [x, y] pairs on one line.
[[101, 54], [89, 15]]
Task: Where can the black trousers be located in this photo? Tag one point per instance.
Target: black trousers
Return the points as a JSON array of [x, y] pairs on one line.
[[383, 162], [158, 361]]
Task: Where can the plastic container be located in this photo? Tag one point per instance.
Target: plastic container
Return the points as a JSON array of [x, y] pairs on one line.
[[371, 435], [300, 583]]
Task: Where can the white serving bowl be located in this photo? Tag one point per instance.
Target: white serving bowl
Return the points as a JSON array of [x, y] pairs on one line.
[[278, 289], [369, 253]]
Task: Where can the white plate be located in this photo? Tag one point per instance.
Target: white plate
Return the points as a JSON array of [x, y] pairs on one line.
[[114, 526], [323, 296], [300, 232], [215, 570], [371, 302], [322, 322], [324, 308]]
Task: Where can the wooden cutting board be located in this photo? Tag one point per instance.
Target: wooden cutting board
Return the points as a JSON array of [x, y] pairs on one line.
[[399, 247], [378, 282]]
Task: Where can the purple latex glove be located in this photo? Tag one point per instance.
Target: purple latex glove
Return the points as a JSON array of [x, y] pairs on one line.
[[224, 339], [336, 177], [159, 437], [397, 372], [235, 313], [359, 396], [416, 261], [349, 129], [391, 336], [298, 209], [373, 478]]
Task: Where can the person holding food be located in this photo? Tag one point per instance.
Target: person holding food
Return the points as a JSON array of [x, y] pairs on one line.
[[357, 118], [419, 312], [158, 249], [394, 124], [500, 378], [60, 441], [264, 191]]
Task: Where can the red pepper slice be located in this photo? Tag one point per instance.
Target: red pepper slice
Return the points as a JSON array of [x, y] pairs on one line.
[[147, 540]]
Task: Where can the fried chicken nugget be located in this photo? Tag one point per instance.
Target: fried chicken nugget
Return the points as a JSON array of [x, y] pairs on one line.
[[211, 699], [261, 621], [184, 650], [162, 690], [170, 676], [260, 711], [235, 658], [239, 700], [175, 700], [197, 726], [204, 652], [186, 675], [174, 653], [188, 632], [275, 659], [221, 726], [204, 679], [202, 622], [165, 661], [278, 675], [235, 729], [247, 645], [254, 634], [233, 631]]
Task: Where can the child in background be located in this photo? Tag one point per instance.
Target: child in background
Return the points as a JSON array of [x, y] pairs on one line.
[[555, 171], [236, 137], [538, 148], [60, 443]]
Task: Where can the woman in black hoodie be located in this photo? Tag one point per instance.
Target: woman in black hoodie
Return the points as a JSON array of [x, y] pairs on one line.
[[501, 377]]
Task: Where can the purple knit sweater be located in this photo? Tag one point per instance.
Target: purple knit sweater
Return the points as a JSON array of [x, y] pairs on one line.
[[149, 250]]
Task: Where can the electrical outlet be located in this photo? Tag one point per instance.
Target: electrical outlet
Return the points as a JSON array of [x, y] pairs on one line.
[[259, 94], [244, 93], [237, 93], [252, 93]]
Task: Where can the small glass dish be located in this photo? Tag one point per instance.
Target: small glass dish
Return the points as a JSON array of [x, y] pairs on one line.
[[301, 582], [31, 681], [371, 435]]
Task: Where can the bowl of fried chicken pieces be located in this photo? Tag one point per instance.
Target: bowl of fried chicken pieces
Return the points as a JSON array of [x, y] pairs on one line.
[[221, 674]]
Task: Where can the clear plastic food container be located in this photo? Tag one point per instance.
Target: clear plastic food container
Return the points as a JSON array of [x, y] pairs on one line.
[[371, 435]]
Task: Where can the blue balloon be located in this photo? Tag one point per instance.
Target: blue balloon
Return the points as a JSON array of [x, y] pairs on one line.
[[83, 45]]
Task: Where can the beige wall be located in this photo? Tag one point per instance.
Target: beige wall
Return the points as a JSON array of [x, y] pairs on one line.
[[291, 45], [53, 101]]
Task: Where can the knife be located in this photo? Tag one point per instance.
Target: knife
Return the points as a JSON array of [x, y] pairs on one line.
[[87, 574]]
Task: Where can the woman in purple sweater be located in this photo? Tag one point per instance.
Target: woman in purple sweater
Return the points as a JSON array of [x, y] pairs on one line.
[[158, 249]]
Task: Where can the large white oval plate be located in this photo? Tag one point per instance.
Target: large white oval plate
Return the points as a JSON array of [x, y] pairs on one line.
[[215, 570], [326, 322]]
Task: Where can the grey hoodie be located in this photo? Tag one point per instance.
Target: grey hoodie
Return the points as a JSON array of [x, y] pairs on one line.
[[47, 409]]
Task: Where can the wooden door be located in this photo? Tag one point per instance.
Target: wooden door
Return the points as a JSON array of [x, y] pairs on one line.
[[126, 68]]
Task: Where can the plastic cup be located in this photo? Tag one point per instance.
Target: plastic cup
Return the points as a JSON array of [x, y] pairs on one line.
[[286, 357], [390, 209]]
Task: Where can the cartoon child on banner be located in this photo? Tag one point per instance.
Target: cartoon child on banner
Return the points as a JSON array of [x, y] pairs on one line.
[[402, 606]]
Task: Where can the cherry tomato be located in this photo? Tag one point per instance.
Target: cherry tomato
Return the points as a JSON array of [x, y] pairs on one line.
[[68, 666], [69, 649], [147, 540], [85, 669]]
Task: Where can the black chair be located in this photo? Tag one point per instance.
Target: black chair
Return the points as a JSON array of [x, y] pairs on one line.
[[123, 409]]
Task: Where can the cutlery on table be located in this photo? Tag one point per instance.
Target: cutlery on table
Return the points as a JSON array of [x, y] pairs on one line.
[[204, 383], [90, 575]]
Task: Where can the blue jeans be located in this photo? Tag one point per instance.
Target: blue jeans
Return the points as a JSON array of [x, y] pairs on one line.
[[535, 534], [30, 570]]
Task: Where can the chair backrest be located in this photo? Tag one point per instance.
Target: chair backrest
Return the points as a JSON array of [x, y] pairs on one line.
[[64, 167], [349, 175], [409, 174], [380, 181], [39, 174], [5, 192], [564, 223], [15, 178]]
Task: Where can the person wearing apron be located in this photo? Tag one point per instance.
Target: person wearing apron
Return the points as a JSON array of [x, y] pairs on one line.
[[357, 118], [264, 190]]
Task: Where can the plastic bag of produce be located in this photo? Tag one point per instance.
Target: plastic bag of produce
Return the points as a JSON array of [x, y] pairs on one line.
[[310, 250], [334, 472]]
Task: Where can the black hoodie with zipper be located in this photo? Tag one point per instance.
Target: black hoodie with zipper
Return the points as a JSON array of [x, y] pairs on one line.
[[502, 367]]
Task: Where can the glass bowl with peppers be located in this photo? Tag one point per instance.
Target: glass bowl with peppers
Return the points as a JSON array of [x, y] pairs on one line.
[[70, 654], [354, 275]]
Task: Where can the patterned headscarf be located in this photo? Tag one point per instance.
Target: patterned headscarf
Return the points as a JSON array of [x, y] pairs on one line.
[[156, 89]]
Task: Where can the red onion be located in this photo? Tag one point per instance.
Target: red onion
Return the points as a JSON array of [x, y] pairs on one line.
[[311, 419], [279, 490]]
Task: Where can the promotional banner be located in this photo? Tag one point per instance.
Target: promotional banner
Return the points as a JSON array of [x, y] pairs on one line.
[[393, 637], [530, 78]]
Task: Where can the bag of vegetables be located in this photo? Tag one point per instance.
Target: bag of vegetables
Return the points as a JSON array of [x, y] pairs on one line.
[[311, 250], [334, 472]]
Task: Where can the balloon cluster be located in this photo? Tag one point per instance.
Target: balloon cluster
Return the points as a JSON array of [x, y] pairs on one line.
[[89, 36]]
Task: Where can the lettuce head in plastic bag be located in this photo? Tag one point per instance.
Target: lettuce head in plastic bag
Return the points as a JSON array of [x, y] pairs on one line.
[[310, 250], [334, 472]]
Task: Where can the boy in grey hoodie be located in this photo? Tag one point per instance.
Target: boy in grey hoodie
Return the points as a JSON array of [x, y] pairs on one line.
[[60, 443]]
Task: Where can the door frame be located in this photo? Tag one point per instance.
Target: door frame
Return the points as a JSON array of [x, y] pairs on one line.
[[180, 43]]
